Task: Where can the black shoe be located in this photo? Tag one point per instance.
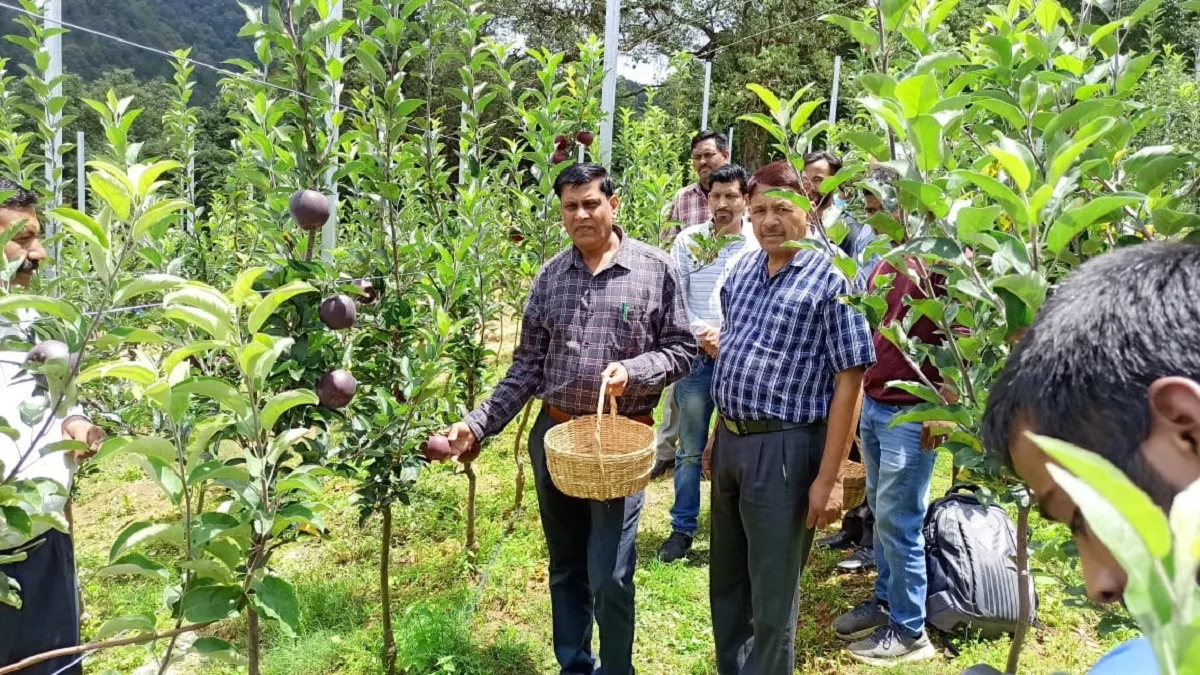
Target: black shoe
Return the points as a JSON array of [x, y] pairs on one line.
[[863, 560], [676, 547], [661, 467], [838, 542]]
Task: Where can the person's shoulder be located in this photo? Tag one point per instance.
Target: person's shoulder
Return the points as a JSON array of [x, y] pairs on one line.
[[687, 189], [641, 251], [745, 260], [692, 231]]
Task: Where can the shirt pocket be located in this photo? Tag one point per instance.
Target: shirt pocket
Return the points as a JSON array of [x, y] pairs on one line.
[[630, 333]]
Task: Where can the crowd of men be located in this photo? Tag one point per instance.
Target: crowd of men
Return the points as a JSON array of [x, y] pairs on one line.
[[759, 336]]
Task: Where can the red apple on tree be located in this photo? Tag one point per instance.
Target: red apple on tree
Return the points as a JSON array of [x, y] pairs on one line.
[[310, 209], [585, 137], [559, 157]]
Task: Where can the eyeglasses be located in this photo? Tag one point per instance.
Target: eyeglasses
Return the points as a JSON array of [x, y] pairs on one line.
[[705, 157]]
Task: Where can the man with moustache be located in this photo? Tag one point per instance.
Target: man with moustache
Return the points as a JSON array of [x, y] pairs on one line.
[[49, 616], [710, 151], [609, 308], [693, 396]]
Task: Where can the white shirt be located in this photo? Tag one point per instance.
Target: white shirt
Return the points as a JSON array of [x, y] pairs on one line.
[[701, 286], [16, 387]]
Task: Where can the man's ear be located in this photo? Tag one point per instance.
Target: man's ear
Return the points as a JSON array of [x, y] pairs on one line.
[[1174, 443], [614, 202]]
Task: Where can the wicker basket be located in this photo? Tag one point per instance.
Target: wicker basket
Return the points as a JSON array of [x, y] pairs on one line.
[[854, 485], [598, 457]]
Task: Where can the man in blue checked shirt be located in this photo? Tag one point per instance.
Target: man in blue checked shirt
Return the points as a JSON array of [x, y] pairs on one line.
[[787, 385], [727, 194]]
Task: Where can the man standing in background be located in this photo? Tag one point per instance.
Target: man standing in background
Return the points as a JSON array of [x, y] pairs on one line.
[[693, 395], [710, 151]]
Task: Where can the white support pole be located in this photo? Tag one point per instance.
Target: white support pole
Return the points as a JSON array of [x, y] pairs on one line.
[[833, 93], [333, 50], [707, 84], [191, 179], [80, 173], [462, 143], [730, 139], [608, 94], [52, 18]]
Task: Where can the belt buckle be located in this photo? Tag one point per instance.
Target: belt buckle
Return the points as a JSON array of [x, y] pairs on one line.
[[737, 427]]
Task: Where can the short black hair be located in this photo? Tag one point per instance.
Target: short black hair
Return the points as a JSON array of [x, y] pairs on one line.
[[729, 174], [718, 139], [23, 199], [582, 174], [1081, 371], [835, 162]]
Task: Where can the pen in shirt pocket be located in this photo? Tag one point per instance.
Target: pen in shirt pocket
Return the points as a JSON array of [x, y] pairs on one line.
[[625, 312]]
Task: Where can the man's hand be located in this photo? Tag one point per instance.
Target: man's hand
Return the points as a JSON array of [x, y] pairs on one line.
[[617, 378], [824, 503], [460, 441], [933, 433], [80, 428], [709, 339]]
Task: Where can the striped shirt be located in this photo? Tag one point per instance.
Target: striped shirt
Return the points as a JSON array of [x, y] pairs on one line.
[[576, 323], [785, 337], [690, 207], [700, 282]]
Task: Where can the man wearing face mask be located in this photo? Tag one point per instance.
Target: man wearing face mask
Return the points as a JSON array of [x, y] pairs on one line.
[[787, 385], [49, 617], [710, 151], [1111, 364]]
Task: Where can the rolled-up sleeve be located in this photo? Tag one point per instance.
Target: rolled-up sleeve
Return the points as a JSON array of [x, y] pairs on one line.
[[649, 373], [847, 333], [524, 375]]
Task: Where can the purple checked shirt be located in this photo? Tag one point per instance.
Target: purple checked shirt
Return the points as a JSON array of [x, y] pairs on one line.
[[576, 323]]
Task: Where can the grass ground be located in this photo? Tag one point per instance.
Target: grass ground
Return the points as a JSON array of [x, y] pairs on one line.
[[493, 618]]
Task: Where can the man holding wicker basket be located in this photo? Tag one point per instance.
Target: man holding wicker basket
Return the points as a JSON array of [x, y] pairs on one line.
[[605, 318]]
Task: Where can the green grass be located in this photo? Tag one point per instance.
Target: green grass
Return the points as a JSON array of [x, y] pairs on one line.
[[434, 588]]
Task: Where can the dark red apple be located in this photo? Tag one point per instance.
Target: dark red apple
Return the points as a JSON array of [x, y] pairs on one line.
[[437, 448], [369, 293], [310, 209], [336, 389], [559, 157], [561, 142], [585, 137], [515, 235], [338, 312]]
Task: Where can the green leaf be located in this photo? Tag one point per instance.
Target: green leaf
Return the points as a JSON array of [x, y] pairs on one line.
[[1169, 223], [165, 475], [926, 135], [17, 519], [136, 624], [1134, 506], [1145, 9], [917, 389], [1016, 159], [1029, 287], [136, 564], [299, 481], [211, 603], [155, 215], [866, 35], [282, 402], [795, 198], [917, 94], [1007, 111], [202, 435], [142, 177], [275, 599], [218, 471], [82, 225], [269, 304], [205, 298], [997, 191], [1073, 221], [283, 441], [218, 390], [120, 370], [243, 287], [46, 306], [144, 446], [766, 95], [184, 353], [1152, 166], [148, 283], [218, 649], [259, 356], [113, 193], [1084, 138], [214, 325], [63, 446], [120, 336], [141, 533], [972, 219]]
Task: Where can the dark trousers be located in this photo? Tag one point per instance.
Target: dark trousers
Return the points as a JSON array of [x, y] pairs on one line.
[[759, 545], [49, 617], [592, 559]]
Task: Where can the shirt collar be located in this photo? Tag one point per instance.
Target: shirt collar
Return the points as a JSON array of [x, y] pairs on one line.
[[623, 256]]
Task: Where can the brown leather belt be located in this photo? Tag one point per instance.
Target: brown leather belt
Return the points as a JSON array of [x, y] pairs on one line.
[[560, 417]]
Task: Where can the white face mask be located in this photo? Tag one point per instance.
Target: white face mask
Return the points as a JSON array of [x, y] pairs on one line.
[[839, 202]]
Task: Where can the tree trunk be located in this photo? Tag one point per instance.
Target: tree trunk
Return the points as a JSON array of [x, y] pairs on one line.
[[520, 484], [385, 593], [472, 545], [1024, 608], [253, 642]]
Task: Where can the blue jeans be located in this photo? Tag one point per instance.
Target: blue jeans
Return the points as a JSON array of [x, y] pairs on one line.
[[693, 396], [592, 559], [898, 476]]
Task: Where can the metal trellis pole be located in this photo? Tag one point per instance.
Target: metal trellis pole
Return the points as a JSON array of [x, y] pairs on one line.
[[81, 173], [707, 85], [608, 94], [333, 50], [52, 18]]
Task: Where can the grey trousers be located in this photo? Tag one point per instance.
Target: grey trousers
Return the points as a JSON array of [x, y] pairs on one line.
[[667, 439], [759, 545]]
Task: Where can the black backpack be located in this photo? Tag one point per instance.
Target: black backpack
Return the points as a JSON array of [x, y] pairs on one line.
[[970, 559]]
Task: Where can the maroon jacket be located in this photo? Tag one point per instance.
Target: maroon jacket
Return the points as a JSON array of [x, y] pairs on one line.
[[890, 364]]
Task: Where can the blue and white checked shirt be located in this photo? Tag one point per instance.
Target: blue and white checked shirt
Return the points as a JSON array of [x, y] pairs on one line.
[[784, 339], [700, 284]]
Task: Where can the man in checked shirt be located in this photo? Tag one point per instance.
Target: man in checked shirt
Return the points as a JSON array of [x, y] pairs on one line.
[[788, 383], [608, 307]]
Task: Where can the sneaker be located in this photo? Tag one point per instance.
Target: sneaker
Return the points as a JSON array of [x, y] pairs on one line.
[[863, 560], [838, 542], [661, 467], [887, 647], [861, 621], [676, 547]]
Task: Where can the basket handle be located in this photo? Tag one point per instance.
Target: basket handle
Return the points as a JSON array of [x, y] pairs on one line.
[[612, 402]]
